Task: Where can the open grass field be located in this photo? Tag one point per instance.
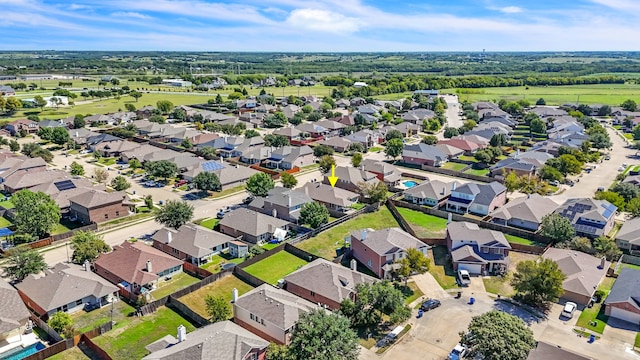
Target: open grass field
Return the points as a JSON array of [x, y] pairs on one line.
[[325, 243], [222, 288], [424, 225], [275, 267], [596, 313], [128, 341]]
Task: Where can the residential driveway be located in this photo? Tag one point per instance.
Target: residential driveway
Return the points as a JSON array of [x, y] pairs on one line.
[[453, 108], [430, 287]]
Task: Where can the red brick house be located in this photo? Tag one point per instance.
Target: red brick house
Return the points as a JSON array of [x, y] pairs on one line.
[[97, 206]]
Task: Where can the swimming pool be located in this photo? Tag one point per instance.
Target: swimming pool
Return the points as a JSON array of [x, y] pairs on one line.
[[22, 352], [409, 183]]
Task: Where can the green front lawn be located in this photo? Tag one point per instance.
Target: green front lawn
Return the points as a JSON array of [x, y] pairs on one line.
[[269, 246], [375, 149], [228, 191], [129, 341], [177, 282], [275, 267], [8, 204], [498, 285], [222, 288], [425, 225], [441, 268], [86, 321], [411, 292], [637, 344], [596, 313], [210, 223], [454, 166], [72, 354], [325, 243], [522, 241], [4, 222], [107, 161]]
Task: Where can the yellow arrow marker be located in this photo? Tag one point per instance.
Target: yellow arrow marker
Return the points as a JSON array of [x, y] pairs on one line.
[[333, 178]]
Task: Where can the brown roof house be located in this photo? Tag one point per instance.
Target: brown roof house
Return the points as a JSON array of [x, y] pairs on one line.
[[97, 206], [270, 312], [324, 282], [28, 126], [63, 189], [545, 351], [66, 287], [252, 226], [223, 340], [423, 154], [379, 250], [623, 302], [191, 243], [476, 250], [137, 267], [282, 203], [350, 178], [15, 316], [430, 192], [338, 201], [583, 271], [525, 212], [385, 172]]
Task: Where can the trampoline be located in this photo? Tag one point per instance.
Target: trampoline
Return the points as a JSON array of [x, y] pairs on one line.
[[5, 232]]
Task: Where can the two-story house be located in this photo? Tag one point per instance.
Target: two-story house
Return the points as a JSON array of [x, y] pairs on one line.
[[476, 250], [589, 217], [380, 250], [478, 199], [191, 243], [385, 172], [281, 203], [350, 178]]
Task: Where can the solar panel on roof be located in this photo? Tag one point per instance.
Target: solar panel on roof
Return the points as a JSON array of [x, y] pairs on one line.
[[65, 185], [212, 166]]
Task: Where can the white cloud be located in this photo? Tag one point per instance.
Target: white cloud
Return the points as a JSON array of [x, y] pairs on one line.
[[78, 7], [510, 9], [130, 14], [274, 10], [322, 20], [627, 5]]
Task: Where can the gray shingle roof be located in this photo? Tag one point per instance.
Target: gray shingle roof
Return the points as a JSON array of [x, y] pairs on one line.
[[424, 151], [630, 231], [387, 241], [95, 198], [582, 270], [252, 222], [220, 341], [191, 239], [483, 237], [14, 312], [431, 189], [532, 208], [626, 288], [330, 195], [484, 193]]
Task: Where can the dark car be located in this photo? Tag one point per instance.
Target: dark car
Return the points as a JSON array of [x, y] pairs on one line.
[[430, 304]]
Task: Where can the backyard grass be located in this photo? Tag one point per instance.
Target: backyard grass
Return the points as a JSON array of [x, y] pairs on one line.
[[222, 288], [479, 172], [596, 313], [454, 166], [441, 268], [522, 241], [128, 342], [209, 223], [275, 267], [269, 246], [424, 225], [467, 158], [325, 243], [176, 283], [72, 354], [86, 321], [7, 204], [220, 259], [107, 161], [4, 222], [498, 285], [375, 149]]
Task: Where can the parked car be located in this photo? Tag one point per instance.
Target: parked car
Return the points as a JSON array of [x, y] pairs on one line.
[[464, 278], [458, 352], [554, 183], [430, 304], [568, 309], [600, 189], [221, 213], [248, 199], [150, 183], [607, 157], [180, 183]]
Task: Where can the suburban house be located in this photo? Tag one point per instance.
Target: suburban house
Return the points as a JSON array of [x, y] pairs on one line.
[[19, 165], [478, 199], [337, 200], [290, 133], [339, 144], [628, 237], [114, 148], [63, 189], [467, 146], [270, 313], [476, 138], [289, 157], [229, 175], [423, 154], [385, 172], [589, 217], [313, 130], [26, 179], [379, 250], [223, 340], [527, 165], [97, 206], [350, 178], [15, 317], [66, 287], [368, 138], [252, 226], [430, 193], [524, 212], [479, 251], [451, 152], [324, 282], [545, 351], [281, 203], [257, 155], [584, 273], [191, 243], [407, 129], [418, 116], [137, 267], [333, 128], [6, 90], [623, 302], [22, 125]]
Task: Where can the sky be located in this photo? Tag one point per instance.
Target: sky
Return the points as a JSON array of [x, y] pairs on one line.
[[322, 26]]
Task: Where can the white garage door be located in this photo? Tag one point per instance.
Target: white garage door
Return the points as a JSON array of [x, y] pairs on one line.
[[625, 315], [471, 268]]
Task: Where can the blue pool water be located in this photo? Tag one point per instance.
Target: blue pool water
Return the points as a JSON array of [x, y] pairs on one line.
[[409, 184], [21, 353]]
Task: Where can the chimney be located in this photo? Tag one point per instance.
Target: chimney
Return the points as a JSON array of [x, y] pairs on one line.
[[363, 235], [234, 295], [169, 235], [148, 267], [354, 264], [182, 333], [603, 262]]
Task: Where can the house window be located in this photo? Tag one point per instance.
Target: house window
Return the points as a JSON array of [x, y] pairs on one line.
[[106, 216], [117, 213], [369, 262], [65, 308], [312, 293], [485, 250], [79, 302], [175, 251]]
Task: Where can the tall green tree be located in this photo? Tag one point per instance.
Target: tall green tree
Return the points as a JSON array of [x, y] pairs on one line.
[[538, 282], [498, 140], [627, 190], [393, 148], [87, 246], [259, 184], [612, 197], [40, 101], [207, 181], [175, 213], [76, 169], [538, 126], [498, 335], [326, 162], [276, 140], [217, 308], [376, 192], [373, 302], [557, 228], [629, 105], [393, 134], [289, 181], [14, 145], [135, 94], [36, 213], [633, 207], [322, 150], [162, 168], [606, 247], [100, 175], [356, 159], [79, 122], [321, 335], [120, 183], [314, 214], [59, 321], [23, 261], [164, 106]]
